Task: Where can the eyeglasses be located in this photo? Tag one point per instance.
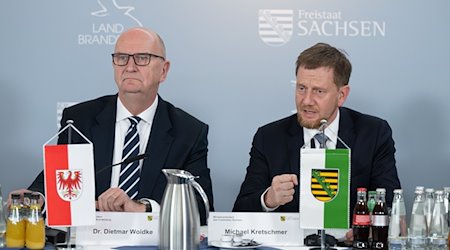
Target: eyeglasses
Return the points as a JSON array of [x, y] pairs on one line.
[[140, 59]]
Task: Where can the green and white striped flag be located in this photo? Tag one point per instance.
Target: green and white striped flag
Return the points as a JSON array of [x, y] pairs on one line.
[[324, 188]]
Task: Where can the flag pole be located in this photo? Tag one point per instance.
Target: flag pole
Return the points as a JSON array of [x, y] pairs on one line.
[[67, 244], [321, 232]]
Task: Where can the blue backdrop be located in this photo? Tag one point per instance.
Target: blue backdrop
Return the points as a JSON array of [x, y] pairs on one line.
[[233, 68]]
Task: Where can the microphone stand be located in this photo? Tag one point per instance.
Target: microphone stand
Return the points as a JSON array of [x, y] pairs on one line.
[[67, 245], [321, 232]]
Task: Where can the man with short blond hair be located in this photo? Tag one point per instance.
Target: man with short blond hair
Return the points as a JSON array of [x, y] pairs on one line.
[[271, 183]]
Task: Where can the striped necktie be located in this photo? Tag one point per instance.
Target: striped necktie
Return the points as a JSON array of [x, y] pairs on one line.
[[322, 139], [130, 173]]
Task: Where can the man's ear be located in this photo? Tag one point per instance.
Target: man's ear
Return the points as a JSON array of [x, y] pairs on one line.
[[344, 91], [165, 71]]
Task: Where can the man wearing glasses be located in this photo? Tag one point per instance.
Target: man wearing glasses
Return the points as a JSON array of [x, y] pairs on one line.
[[138, 121]]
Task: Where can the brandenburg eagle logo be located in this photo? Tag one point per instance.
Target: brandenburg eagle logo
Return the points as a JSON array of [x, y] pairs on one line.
[[69, 184]]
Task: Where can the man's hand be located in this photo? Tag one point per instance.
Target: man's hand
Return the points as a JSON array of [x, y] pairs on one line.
[[281, 191], [116, 200]]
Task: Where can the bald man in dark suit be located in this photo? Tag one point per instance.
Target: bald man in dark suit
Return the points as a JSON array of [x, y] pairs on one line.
[[168, 135]]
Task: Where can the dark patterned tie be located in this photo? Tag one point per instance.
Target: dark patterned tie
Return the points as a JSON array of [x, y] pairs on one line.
[[130, 173], [322, 139]]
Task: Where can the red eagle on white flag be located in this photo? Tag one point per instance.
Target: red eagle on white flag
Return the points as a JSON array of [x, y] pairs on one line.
[[69, 184]]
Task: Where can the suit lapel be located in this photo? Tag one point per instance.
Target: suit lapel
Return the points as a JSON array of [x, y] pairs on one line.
[[158, 147], [103, 139], [295, 142], [346, 130]]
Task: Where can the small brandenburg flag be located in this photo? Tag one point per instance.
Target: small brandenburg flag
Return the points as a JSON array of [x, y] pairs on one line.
[[69, 184], [324, 188]]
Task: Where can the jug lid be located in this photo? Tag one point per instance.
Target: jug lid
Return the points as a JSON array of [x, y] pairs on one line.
[[178, 173]]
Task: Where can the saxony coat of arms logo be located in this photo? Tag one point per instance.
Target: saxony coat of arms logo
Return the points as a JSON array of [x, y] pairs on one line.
[[324, 184]]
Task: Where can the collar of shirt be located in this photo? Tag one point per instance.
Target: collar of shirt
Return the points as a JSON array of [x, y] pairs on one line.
[[331, 131], [147, 115]]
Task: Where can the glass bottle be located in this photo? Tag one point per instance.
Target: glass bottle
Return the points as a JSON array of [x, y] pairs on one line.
[[447, 209], [429, 206], [420, 188], [438, 226], [371, 200], [418, 224], [26, 204], [15, 225], [446, 198], [2, 221], [361, 221], [35, 233], [380, 221], [397, 224]]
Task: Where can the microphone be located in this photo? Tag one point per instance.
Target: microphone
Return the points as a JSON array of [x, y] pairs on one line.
[[323, 124], [126, 161]]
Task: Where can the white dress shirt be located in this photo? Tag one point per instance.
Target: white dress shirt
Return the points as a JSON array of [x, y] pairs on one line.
[[331, 131], [144, 128]]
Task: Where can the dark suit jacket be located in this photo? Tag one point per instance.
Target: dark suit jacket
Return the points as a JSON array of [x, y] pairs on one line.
[[177, 140], [276, 150]]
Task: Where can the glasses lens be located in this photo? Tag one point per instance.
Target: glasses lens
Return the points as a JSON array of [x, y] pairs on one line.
[[120, 59], [142, 59]]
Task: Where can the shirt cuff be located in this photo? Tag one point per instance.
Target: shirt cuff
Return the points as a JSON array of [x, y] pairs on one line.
[[263, 205], [154, 204]]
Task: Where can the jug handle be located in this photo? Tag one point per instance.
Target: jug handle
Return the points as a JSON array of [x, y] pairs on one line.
[[204, 197]]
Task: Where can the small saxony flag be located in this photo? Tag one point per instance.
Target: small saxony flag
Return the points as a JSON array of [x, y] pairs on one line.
[[324, 188]]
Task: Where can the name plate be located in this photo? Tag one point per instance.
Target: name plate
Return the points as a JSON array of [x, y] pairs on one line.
[[119, 229], [274, 229]]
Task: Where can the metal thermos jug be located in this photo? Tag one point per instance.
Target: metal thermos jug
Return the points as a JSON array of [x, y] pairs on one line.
[[179, 220]]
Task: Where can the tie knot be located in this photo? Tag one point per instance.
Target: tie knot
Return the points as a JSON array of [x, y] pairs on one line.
[[322, 139], [134, 120]]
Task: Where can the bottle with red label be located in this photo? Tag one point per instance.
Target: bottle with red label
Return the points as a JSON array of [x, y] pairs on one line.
[[361, 221], [380, 221]]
